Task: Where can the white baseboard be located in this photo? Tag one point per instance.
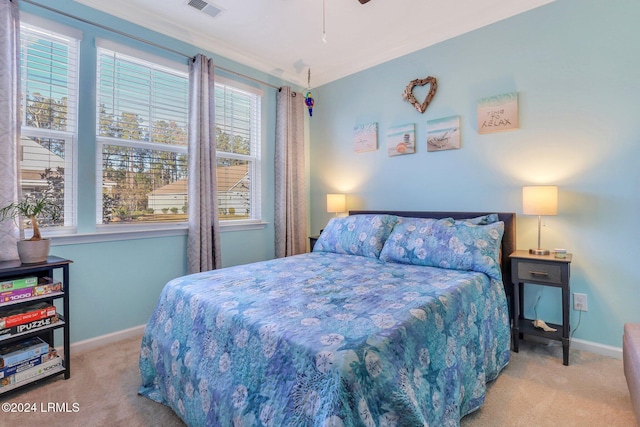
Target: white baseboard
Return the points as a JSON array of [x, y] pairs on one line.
[[601, 349], [576, 344], [93, 343]]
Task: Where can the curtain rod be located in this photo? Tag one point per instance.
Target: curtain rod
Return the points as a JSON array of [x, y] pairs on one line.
[[122, 33]]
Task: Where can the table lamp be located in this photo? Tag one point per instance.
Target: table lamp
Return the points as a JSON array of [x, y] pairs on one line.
[[540, 200], [336, 203]]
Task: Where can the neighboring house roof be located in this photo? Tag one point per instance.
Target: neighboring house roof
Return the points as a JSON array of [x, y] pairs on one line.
[[228, 179], [34, 160], [37, 158]]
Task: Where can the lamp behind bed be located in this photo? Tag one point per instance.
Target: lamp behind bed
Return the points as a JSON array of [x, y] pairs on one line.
[[336, 203]]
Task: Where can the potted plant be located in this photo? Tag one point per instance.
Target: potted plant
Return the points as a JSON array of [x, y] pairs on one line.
[[35, 249]]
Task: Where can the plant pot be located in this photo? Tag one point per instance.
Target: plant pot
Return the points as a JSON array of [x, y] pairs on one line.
[[33, 251]]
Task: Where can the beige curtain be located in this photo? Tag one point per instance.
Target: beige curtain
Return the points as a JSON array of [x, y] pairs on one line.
[[203, 241], [290, 209], [9, 122]]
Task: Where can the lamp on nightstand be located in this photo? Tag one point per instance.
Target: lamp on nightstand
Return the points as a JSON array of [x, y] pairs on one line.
[[540, 200], [336, 203]]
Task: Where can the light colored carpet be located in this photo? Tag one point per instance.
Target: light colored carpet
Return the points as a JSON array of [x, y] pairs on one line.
[[535, 389]]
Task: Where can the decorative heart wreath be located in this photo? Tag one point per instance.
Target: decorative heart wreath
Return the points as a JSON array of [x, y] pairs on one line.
[[407, 95]]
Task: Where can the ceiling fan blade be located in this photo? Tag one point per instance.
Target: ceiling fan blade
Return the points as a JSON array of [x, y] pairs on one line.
[[363, 1]]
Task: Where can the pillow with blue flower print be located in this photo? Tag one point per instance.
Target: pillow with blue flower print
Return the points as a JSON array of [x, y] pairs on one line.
[[362, 235], [446, 243]]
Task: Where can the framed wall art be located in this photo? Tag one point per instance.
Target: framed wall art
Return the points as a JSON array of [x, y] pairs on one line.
[[365, 137], [498, 113], [443, 134], [401, 140]]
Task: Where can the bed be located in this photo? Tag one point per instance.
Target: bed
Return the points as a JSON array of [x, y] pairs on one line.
[[394, 319]]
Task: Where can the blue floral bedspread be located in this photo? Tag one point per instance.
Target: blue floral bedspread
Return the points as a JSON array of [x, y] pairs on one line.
[[323, 339]]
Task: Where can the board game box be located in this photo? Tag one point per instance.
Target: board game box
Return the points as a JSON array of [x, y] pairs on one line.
[[28, 364], [14, 284], [26, 327], [13, 354], [52, 362], [24, 293], [25, 314]]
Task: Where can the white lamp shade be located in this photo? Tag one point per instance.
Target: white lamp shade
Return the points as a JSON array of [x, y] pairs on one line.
[[336, 203], [540, 200]]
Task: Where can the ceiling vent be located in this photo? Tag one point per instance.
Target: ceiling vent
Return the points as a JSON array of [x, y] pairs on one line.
[[205, 7]]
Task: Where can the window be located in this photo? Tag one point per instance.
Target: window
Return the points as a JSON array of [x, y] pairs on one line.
[[238, 133], [141, 138], [49, 87]]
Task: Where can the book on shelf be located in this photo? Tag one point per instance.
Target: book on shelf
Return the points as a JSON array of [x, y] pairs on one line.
[[28, 364], [28, 326], [12, 285], [25, 314], [53, 363], [45, 286], [15, 353]]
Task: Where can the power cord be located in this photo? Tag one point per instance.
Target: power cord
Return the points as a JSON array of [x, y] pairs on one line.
[[577, 326], [535, 305]]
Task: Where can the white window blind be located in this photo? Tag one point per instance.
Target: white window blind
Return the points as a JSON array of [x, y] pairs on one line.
[[142, 121], [49, 88], [238, 131]]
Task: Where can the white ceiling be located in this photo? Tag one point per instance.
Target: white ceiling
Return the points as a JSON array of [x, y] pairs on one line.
[[284, 37]]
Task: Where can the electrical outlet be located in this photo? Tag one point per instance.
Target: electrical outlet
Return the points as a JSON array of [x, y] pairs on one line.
[[580, 302]]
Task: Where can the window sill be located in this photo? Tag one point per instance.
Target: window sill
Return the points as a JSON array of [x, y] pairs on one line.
[[242, 225], [114, 236], [134, 234]]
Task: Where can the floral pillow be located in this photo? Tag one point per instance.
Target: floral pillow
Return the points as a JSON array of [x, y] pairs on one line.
[[362, 235], [445, 243]]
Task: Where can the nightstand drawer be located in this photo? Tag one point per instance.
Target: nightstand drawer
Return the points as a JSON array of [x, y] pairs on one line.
[[539, 272]]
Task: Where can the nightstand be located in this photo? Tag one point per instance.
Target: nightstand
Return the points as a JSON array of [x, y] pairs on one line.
[[545, 270], [312, 242]]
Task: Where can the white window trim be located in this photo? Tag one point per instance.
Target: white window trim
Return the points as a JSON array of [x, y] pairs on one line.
[[256, 159], [156, 61], [56, 27], [71, 176], [241, 86], [141, 55], [66, 235]]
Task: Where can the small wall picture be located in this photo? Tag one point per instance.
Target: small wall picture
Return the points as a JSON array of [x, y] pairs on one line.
[[365, 137], [401, 140], [498, 113], [443, 134]]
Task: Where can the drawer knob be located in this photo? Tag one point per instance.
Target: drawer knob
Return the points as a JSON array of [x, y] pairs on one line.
[[539, 273]]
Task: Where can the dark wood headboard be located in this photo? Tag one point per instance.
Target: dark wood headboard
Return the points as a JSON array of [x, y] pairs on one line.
[[508, 240]]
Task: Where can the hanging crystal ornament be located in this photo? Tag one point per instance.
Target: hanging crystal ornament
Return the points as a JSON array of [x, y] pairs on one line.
[[311, 95]]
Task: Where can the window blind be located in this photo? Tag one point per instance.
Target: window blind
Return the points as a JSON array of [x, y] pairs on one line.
[[49, 88], [140, 100]]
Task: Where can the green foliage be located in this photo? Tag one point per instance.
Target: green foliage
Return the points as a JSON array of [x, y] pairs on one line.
[[137, 172], [54, 193], [32, 208], [46, 113]]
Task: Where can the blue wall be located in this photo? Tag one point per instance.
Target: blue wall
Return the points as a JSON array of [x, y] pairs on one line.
[[115, 285], [574, 64]]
